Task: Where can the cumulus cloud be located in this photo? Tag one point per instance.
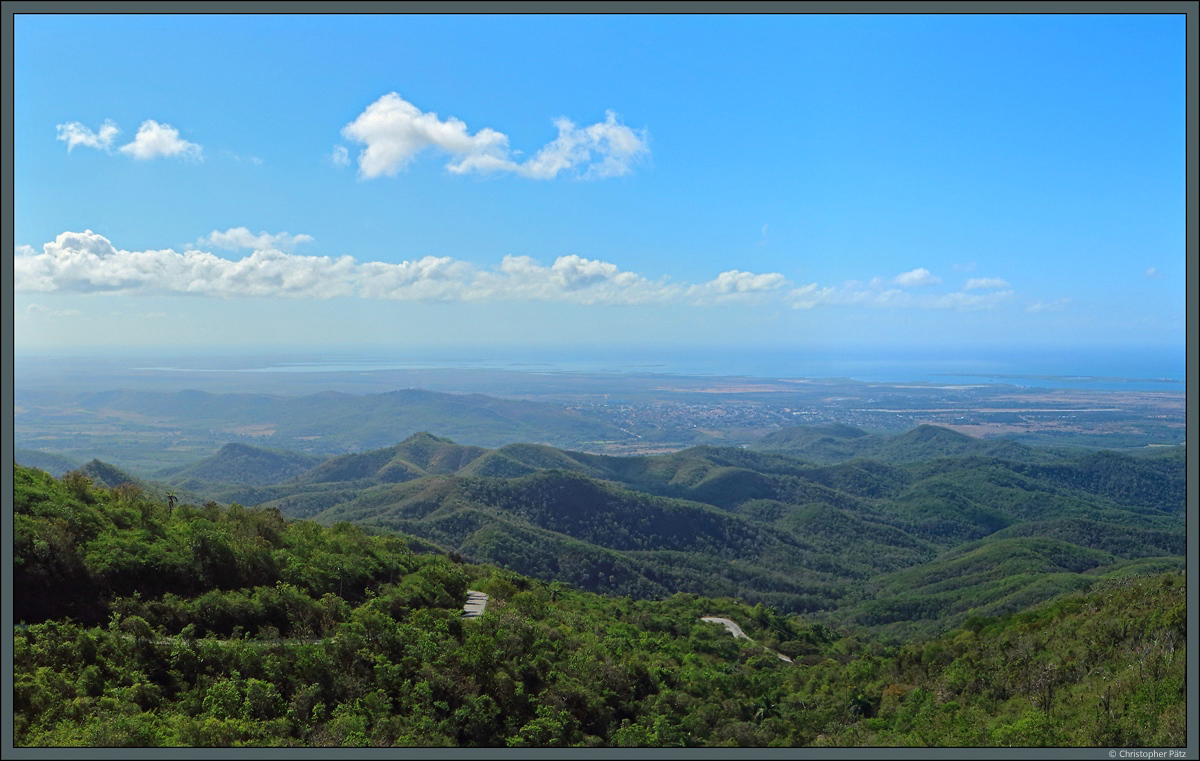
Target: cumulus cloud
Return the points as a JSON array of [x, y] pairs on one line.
[[735, 285], [608, 149], [74, 133], [809, 296], [239, 237], [87, 263], [340, 156], [154, 140], [569, 278], [917, 277], [984, 282], [394, 131]]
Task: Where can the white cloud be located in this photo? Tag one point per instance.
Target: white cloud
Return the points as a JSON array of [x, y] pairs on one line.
[[239, 237], [616, 149], [919, 276], [86, 263], [340, 156], [1153, 274], [809, 296], [737, 285], [394, 131], [569, 278], [74, 133], [984, 282], [154, 140], [1047, 306]]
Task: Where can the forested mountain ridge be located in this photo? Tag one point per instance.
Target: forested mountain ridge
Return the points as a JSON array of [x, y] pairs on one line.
[[242, 465], [763, 526], [232, 626], [837, 442], [53, 464]]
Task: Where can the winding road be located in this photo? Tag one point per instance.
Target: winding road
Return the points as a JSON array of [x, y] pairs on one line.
[[737, 632], [477, 601], [473, 608]]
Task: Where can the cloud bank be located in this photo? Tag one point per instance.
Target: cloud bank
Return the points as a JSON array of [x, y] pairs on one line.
[[393, 131], [89, 263]]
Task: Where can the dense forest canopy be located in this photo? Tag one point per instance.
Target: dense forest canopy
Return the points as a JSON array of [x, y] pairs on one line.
[[143, 625]]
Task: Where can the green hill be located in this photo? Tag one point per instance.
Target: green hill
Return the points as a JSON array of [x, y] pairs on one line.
[[54, 464], [103, 474], [828, 444], [244, 465], [762, 526], [758, 525]]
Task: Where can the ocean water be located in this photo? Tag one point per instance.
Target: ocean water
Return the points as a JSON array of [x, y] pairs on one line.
[[1137, 368]]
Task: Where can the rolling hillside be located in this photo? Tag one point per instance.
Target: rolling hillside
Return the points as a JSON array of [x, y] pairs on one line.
[[767, 527], [242, 465], [837, 442]]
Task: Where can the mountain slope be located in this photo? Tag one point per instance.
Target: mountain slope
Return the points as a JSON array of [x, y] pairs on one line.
[[243, 465], [830, 444], [54, 464], [763, 526]]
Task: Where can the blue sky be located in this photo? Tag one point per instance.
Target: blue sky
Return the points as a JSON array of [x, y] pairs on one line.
[[458, 181]]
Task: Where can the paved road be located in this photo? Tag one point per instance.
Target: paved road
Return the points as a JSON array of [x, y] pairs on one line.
[[476, 602], [733, 628], [736, 631]]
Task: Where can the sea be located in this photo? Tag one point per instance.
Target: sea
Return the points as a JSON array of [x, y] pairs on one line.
[[1113, 369]]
